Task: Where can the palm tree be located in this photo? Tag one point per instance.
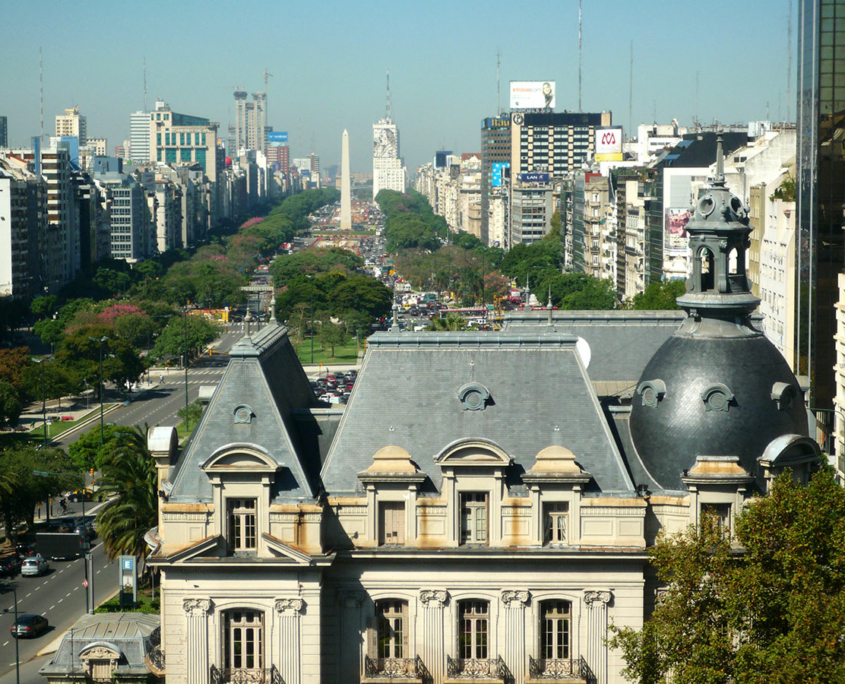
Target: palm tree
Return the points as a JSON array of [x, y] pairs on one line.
[[452, 322], [129, 481]]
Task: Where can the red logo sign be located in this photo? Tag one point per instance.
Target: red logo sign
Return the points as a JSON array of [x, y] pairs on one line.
[[608, 138]]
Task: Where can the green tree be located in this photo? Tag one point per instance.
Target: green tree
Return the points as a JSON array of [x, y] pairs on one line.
[[80, 355], [10, 404], [660, 295], [190, 414], [332, 335], [771, 608], [361, 293], [44, 306], [451, 323], [128, 485], [89, 452], [184, 333]]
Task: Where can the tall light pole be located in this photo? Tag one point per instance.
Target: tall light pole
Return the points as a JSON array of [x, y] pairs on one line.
[[41, 362], [185, 361], [312, 318], [100, 340], [17, 654]]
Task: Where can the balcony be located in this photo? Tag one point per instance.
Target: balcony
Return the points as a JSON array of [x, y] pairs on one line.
[[493, 670], [244, 675], [569, 670], [407, 670]]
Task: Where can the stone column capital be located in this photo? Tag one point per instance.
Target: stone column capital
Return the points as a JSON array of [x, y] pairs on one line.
[[351, 598], [515, 599], [196, 607], [289, 605], [601, 597], [434, 598]]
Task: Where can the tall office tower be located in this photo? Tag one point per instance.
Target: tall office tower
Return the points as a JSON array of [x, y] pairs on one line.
[[4, 132], [139, 136], [388, 173], [346, 186], [240, 123], [820, 254], [495, 155], [182, 138], [315, 164], [71, 124]]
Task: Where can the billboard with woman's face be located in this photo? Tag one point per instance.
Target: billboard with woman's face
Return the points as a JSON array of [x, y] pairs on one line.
[[532, 94]]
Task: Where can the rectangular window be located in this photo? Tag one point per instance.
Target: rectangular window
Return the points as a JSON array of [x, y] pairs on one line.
[[182, 139], [555, 518], [201, 158], [391, 523], [722, 512], [170, 155], [474, 617], [474, 518], [242, 532], [158, 154], [186, 154], [555, 625], [158, 138], [203, 138], [392, 626]]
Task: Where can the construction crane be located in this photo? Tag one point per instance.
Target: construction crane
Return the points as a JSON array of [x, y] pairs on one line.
[[267, 75]]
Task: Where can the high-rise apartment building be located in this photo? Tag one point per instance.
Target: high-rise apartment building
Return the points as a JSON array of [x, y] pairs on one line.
[[388, 173], [126, 204], [250, 130], [72, 124], [181, 138], [531, 208], [591, 243], [139, 136], [820, 193], [4, 131], [495, 154]]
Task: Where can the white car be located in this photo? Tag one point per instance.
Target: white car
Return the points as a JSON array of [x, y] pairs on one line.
[[34, 566]]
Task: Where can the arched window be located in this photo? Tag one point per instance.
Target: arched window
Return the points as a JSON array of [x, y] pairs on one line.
[[733, 265], [392, 629], [243, 645], [708, 269], [555, 630], [473, 630]]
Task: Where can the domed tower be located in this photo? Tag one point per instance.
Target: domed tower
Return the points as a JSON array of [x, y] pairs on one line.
[[717, 387]]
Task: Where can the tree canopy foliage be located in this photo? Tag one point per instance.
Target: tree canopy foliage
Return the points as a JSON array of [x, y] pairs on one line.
[[409, 221], [769, 608], [660, 295]]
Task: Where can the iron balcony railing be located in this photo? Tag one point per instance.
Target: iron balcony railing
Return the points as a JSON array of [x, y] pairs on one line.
[[560, 668], [473, 668], [245, 675], [396, 668]]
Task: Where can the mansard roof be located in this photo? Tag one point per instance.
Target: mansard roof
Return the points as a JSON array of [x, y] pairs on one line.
[[252, 409], [523, 390]]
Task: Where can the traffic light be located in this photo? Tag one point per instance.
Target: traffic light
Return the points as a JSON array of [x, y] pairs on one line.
[[211, 352]]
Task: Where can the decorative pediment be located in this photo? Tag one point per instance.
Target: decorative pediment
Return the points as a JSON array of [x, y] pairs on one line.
[[240, 458], [100, 650], [556, 464], [392, 463], [277, 546], [716, 470], [473, 453]]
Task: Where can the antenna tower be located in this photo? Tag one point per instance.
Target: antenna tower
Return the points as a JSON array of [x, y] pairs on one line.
[[389, 107], [267, 75], [145, 83], [631, 95], [41, 79], [696, 96], [789, 63], [579, 56], [498, 85]]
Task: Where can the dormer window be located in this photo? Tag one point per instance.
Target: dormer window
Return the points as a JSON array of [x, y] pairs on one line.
[[242, 533], [717, 397], [474, 514]]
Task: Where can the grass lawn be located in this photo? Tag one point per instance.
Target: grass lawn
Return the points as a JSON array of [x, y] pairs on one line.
[[37, 436], [346, 354], [145, 603]]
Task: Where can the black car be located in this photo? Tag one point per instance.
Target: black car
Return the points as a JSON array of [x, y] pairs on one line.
[[29, 626], [11, 565]]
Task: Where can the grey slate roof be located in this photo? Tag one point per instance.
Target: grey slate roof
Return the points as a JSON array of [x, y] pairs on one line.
[[264, 374], [407, 395], [621, 342]]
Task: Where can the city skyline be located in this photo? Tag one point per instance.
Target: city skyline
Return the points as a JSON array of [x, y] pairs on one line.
[[442, 85]]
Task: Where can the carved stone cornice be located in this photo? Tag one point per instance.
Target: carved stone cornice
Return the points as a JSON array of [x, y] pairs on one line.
[[196, 607], [290, 606], [515, 599], [602, 597], [351, 598], [434, 598]]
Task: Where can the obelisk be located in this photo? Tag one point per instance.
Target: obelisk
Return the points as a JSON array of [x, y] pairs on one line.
[[345, 186]]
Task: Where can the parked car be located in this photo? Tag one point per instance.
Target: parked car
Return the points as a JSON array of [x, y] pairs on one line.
[[11, 565], [34, 566], [29, 626]]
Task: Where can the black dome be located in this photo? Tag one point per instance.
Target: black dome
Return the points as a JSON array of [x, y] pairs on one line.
[[715, 400]]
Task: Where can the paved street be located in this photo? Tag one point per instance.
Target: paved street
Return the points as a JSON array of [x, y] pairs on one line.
[[60, 597]]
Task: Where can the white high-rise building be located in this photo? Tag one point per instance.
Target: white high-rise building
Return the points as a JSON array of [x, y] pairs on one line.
[[139, 136], [71, 124], [388, 173]]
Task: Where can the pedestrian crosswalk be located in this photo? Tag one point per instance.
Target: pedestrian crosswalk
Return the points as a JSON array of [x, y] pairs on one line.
[[208, 371]]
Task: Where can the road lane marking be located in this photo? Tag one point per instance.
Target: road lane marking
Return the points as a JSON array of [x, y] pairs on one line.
[[29, 594], [60, 600], [51, 607], [38, 587], [6, 643], [68, 594], [44, 613], [75, 588], [99, 571]]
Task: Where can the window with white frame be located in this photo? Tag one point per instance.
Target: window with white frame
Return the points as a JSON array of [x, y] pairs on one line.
[[391, 523], [722, 513], [474, 518], [555, 623], [555, 519], [242, 534], [243, 645], [392, 626], [473, 630]]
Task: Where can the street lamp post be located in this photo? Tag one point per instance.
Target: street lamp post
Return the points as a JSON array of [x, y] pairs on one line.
[[185, 361], [17, 654], [43, 395], [312, 318], [100, 341]]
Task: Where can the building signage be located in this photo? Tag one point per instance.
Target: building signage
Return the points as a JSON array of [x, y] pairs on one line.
[[609, 144], [277, 136], [532, 94], [496, 123], [496, 173], [534, 177]]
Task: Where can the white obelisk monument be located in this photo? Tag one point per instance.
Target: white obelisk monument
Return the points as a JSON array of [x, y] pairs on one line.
[[345, 186]]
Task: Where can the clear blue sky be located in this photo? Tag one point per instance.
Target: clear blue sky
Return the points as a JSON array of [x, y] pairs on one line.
[[329, 60]]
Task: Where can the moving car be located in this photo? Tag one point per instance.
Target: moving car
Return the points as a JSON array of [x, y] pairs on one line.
[[34, 566], [79, 494], [29, 626]]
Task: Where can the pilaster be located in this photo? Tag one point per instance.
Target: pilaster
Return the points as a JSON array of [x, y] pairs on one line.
[[433, 638], [351, 628], [514, 650], [289, 611], [196, 611], [596, 651]]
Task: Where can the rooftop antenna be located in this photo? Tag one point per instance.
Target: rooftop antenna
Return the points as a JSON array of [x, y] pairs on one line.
[[267, 75], [41, 79], [498, 84], [789, 63], [579, 56], [145, 83], [389, 107], [549, 306], [696, 96], [631, 94]]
